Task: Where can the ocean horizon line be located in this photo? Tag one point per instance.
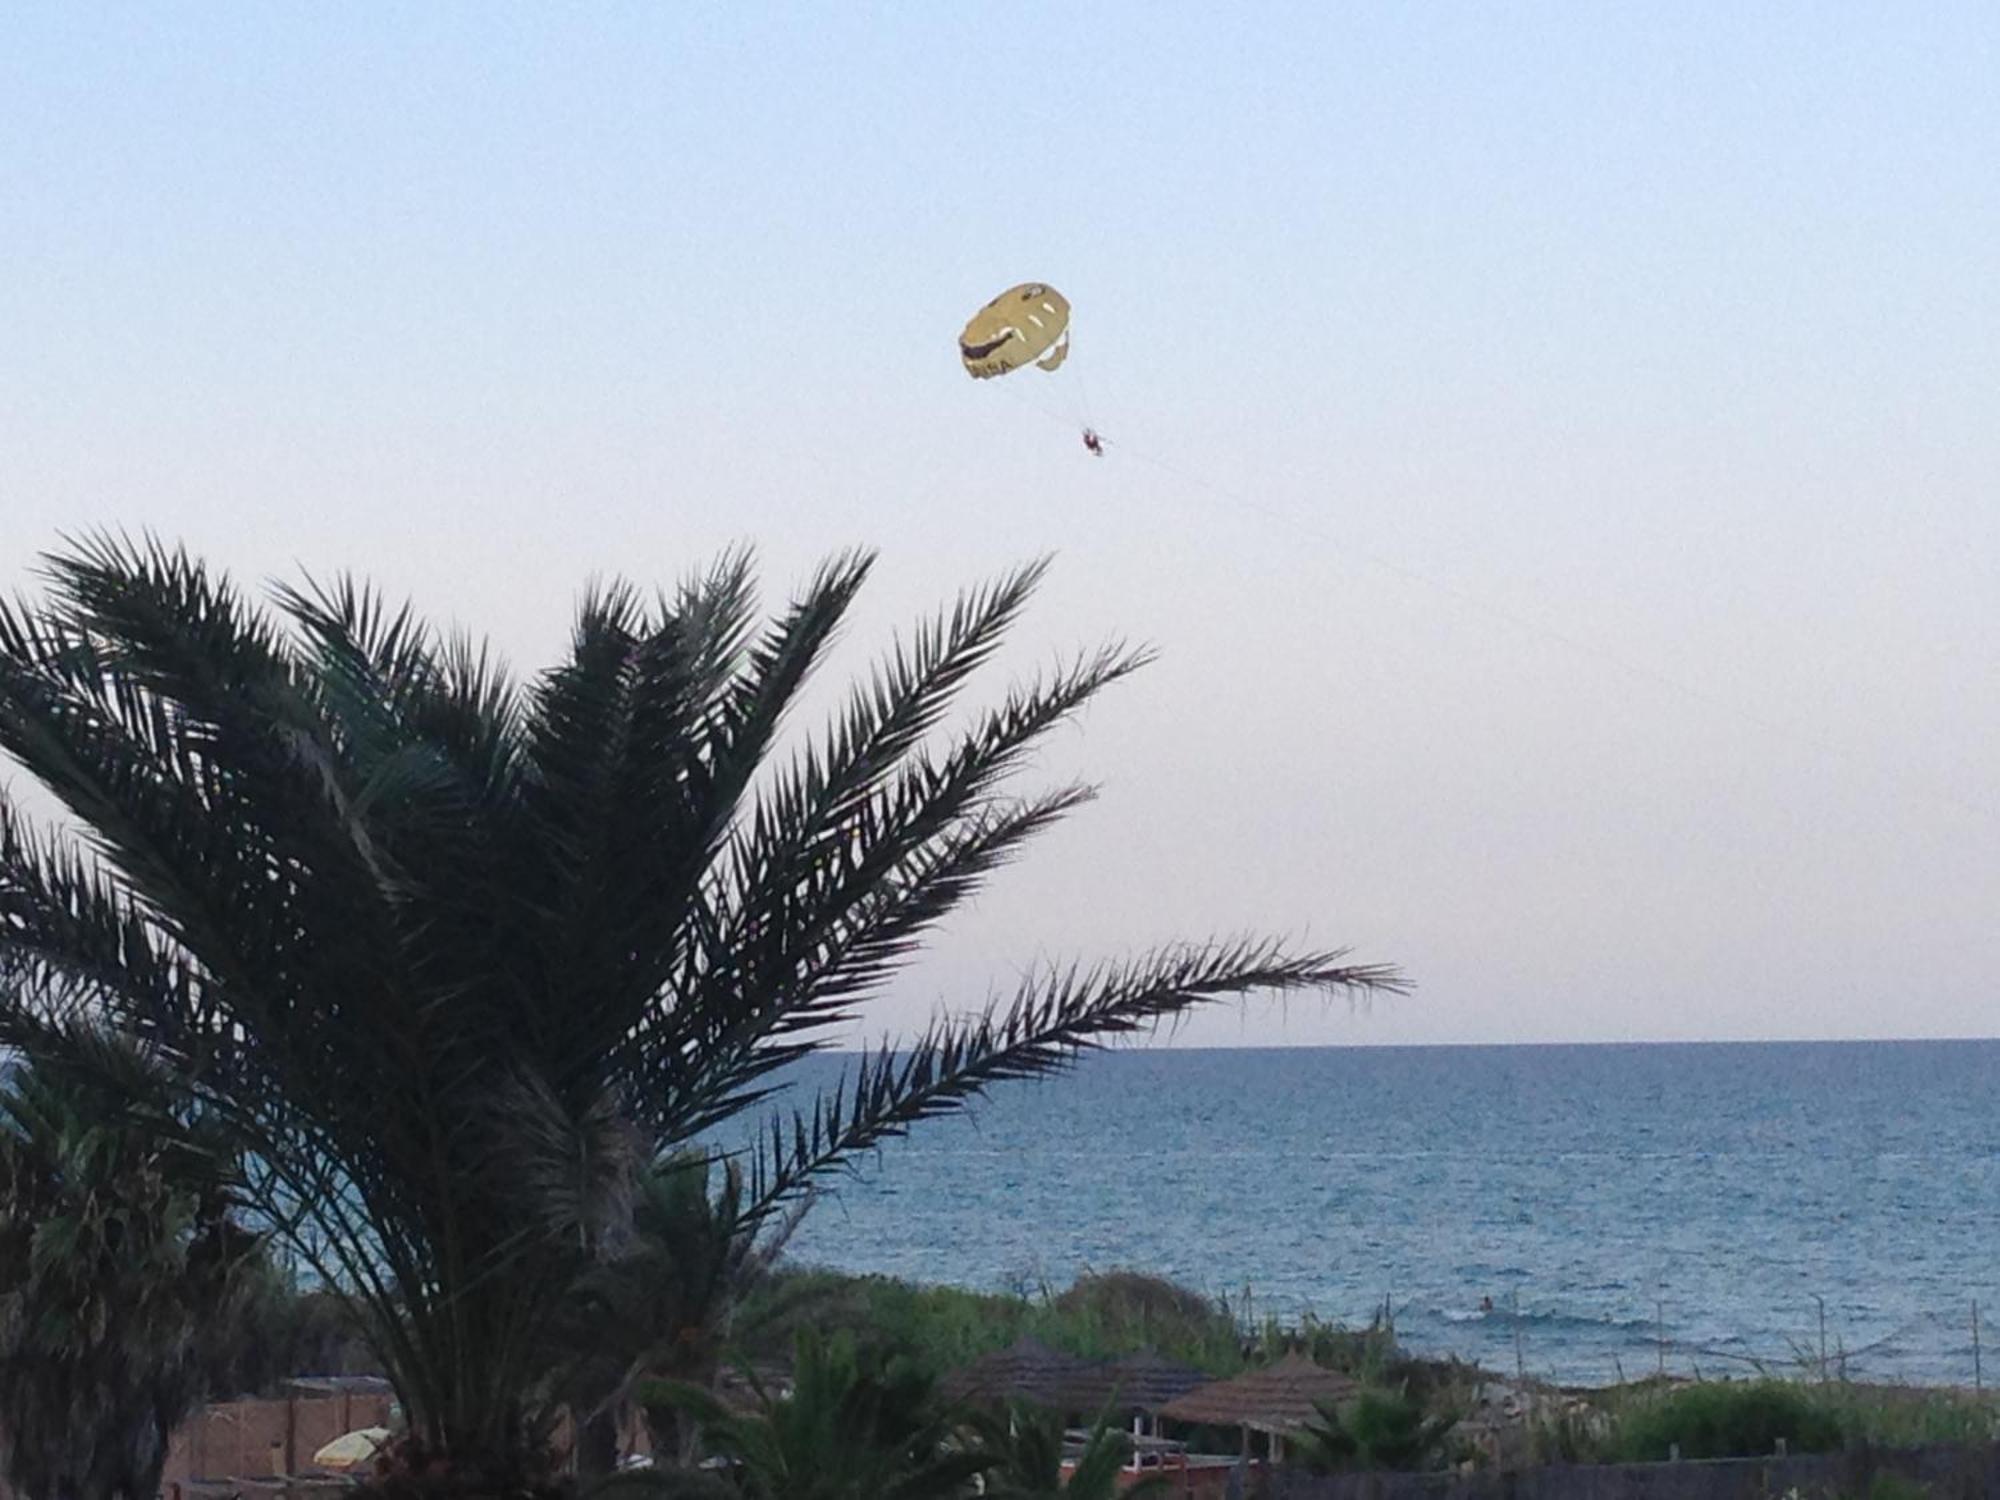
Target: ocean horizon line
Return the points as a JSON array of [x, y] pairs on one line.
[[1520, 1046]]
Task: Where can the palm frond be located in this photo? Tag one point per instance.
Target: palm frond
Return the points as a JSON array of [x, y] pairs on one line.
[[1051, 1020], [879, 931], [769, 961]]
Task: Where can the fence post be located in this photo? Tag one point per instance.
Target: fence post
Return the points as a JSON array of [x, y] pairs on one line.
[[1978, 1375]]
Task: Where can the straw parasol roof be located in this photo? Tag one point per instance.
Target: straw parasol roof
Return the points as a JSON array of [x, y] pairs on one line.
[[1028, 1370], [1142, 1382], [1280, 1398]]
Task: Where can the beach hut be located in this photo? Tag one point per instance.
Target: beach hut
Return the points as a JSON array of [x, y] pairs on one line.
[[1136, 1386], [1277, 1400], [1027, 1370]]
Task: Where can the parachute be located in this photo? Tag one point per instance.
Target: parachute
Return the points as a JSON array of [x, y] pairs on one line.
[[1025, 323]]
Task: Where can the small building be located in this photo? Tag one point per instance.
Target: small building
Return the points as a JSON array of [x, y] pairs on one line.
[[1135, 1388], [1027, 1370], [1276, 1400]]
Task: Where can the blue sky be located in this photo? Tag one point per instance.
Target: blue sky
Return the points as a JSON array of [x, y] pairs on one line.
[[1553, 446]]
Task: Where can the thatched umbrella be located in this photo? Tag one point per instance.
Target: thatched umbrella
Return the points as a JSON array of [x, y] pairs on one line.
[[1279, 1399], [1139, 1384], [1028, 1370]]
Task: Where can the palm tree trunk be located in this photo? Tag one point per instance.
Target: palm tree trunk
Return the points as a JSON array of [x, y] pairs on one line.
[[147, 1484]]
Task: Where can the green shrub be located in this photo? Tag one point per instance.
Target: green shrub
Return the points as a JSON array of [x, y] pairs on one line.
[[1727, 1419], [1382, 1429], [942, 1327], [1135, 1298], [1910, 1417], [1567, 1436]]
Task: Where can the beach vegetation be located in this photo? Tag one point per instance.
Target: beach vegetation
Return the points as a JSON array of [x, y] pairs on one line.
[[123, 1272], [660, 1306], [1725, 1419], [944, 1327], [1026, 1446], [1381, 1428], [286, 1329], [854, 1422], [1899, 1416]]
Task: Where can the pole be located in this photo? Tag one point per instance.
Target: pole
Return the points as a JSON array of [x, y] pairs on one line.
[[1978, 1375], [1520, 1370], [1660, 1328]]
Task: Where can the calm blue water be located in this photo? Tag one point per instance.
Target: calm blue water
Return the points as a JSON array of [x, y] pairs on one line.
[[1599, 1189]]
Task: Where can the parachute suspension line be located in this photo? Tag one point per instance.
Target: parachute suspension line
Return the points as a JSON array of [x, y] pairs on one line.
[[1034, 403], [1085, 405], [1799, 735]]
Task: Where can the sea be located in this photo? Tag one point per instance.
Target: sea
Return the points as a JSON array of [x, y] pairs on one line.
[[1576, 1213]]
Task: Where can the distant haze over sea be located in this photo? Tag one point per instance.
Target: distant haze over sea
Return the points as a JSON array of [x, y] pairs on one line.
[[1614, 1202]]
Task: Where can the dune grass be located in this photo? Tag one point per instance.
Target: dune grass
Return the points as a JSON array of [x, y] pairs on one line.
[[1745, 1418], [1100, 1317]]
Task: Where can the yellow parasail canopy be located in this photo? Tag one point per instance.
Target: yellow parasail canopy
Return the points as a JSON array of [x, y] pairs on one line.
[[1025, 323]]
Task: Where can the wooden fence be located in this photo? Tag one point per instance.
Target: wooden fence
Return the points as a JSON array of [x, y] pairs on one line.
[[273, 1439], [1943, 1472], [249, 1445]]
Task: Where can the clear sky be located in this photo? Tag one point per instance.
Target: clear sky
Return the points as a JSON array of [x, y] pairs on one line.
[[1555, 449]]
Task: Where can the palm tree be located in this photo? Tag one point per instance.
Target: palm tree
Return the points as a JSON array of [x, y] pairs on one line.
[[660, 1307], [1386, 1429], [1026, 1445], [856, 1424], [120, 1270], [453, 956]]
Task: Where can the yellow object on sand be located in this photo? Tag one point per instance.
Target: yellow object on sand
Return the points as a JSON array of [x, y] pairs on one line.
[[353, 1449], [1029, 322]]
